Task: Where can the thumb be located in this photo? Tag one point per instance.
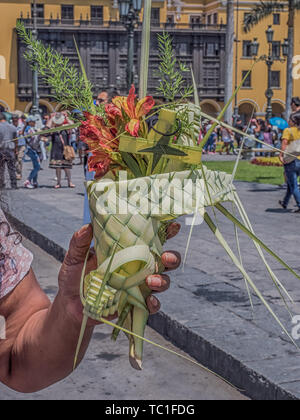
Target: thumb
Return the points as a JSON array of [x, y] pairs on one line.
[[79, 246]]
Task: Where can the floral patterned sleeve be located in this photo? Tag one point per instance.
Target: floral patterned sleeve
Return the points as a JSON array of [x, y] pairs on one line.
[[15, 260]]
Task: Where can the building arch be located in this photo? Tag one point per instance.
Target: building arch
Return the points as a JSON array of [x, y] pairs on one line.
[[46, 106], [247, 108], [2, 68], [59, 108], [4, 106], [278, 108], [210, 107]]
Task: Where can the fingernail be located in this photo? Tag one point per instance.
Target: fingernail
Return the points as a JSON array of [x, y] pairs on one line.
[[170, 258], [176, 227], [154, 301], [83, 231], [174, 230], [154, 281]]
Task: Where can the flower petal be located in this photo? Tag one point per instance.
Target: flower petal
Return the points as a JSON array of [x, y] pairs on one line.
[[131, 103], [133, 127], [144, 106]]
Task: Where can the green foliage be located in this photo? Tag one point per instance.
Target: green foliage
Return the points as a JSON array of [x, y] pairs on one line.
[[248, 172], [70, 87], [172, 82], [261, 11]]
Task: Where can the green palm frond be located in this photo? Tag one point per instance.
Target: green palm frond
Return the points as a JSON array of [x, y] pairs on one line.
[[260, 12]]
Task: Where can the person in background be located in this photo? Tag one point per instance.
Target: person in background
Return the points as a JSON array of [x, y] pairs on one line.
[[268, 136], [82, 150], [46, 119], [210, 146], [21, 144], [295, 104], [292, 169], [102, 98], [8, 150], [32, 151], [226, 135], [57, 159], [73, 133], [239, 126], [258, 127]]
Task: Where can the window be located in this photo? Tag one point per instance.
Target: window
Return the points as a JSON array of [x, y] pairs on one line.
[[209, 19], [276, 49], [215, 18], [100, 46], [97, 13], [211, 49], [155, 16], [67, 12], [248, 81], [39, 10], [211, 77], [276, 19], [181, 48], [247, 49], [275, 79], [195, 20], [170, 19]]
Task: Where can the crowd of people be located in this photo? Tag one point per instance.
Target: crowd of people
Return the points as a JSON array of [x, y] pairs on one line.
[[59, 148], [231, 141]]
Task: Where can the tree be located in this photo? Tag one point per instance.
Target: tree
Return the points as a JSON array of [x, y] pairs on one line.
[[229, 57], [262, 11]]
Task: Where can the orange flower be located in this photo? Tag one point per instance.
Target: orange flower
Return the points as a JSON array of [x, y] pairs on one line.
[[134, 111], [101, 142]]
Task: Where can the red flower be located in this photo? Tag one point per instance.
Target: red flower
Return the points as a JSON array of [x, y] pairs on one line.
[[100, 167], [135, 111], [101, 141]]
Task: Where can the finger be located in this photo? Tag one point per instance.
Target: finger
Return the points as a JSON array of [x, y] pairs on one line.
[[158, 283], [93, 322], [92, 264], [153, 304], [172, 230], [171, 260], [79, 246]]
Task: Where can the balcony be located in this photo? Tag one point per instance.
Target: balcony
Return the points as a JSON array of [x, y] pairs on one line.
[[98, 23]]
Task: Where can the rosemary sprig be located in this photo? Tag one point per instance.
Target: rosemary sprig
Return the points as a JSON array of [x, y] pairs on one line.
[[170, 72], [70, 87]]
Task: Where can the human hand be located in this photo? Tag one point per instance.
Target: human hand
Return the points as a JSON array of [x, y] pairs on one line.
[[281, 158], [70, 272], [161, 282]]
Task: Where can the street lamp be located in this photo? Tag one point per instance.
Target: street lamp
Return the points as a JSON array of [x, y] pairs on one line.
[[269, 60], [35, 86], [129, 14], [237, 41]]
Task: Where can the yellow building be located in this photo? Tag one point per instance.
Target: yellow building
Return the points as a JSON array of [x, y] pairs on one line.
[[252, 96], [205, 15]]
